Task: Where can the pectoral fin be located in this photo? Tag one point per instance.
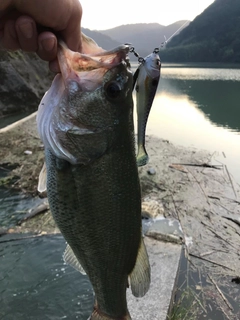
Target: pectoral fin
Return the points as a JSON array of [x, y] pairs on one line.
[[140, 277], [70, 258], [42, 180]]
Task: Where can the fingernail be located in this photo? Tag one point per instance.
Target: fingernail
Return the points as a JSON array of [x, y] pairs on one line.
[[48, 44], [26, 29]]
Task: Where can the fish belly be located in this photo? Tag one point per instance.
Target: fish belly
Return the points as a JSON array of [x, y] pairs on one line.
[[98, 209]]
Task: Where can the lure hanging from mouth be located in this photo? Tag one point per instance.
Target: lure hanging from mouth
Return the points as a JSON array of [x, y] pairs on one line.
[[146, 79]]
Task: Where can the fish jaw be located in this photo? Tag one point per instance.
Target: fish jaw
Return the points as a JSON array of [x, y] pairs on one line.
[[59, 123]]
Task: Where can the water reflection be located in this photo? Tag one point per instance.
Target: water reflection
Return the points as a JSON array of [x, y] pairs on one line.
[[192, 73], [219, 100], [198, 107]]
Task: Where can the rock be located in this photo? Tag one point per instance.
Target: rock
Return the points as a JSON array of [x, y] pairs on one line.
[[151, 171], [27, 152], [24, 80], [152, 208]]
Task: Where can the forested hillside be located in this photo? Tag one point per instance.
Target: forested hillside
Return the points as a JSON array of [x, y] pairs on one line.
[[213, 36], [144, 36]]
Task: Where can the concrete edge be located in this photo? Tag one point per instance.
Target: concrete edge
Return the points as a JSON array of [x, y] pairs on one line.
[[18, 123], [171, 304]]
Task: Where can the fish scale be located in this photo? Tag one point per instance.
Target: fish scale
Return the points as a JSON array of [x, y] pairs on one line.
[[92, 177], [98, 212]]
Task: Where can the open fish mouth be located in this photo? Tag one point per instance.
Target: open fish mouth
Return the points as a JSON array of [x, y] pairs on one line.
[[62, 111], [88, 69]]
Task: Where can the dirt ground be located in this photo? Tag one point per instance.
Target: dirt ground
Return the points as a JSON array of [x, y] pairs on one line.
[[183, 183]]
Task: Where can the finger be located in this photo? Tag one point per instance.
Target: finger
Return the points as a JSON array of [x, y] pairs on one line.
[[54, 66], [10, 39], [72, 33], [47, 46], [11, 15], [10, 32], [27, 33]]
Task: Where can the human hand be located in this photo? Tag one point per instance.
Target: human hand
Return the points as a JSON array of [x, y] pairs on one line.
[[22, 23]]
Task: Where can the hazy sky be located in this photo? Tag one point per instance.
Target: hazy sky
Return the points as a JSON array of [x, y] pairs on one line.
[[106, 14]]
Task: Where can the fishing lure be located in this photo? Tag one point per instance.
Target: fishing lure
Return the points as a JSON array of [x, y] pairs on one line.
[[145, 81]]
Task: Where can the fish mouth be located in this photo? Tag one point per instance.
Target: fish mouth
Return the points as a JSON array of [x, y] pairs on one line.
[[87, 70]]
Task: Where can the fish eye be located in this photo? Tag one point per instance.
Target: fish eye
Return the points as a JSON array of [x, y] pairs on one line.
[[113, 89], [158, 62]]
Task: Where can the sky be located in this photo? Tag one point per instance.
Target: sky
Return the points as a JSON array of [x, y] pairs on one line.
[[106, 14]]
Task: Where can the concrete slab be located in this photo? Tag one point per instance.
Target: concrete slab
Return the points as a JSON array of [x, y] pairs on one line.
[[160, 228], [164, 260]]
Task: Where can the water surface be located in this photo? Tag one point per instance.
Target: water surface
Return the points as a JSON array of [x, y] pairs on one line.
[[200, 107], [35, 284]]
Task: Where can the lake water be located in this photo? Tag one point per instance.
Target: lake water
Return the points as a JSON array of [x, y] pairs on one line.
[[200, 107], [35, 284]]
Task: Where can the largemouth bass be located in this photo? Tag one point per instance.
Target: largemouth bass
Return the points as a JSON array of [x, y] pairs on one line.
[[146, 79], [85, 121]]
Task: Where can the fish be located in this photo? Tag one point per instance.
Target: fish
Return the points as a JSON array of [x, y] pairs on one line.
[[146, 79], [85, 122]]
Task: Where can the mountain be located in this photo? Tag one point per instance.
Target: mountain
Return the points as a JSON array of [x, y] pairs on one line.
[[213, 36], [144, 36], [102, 40]]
